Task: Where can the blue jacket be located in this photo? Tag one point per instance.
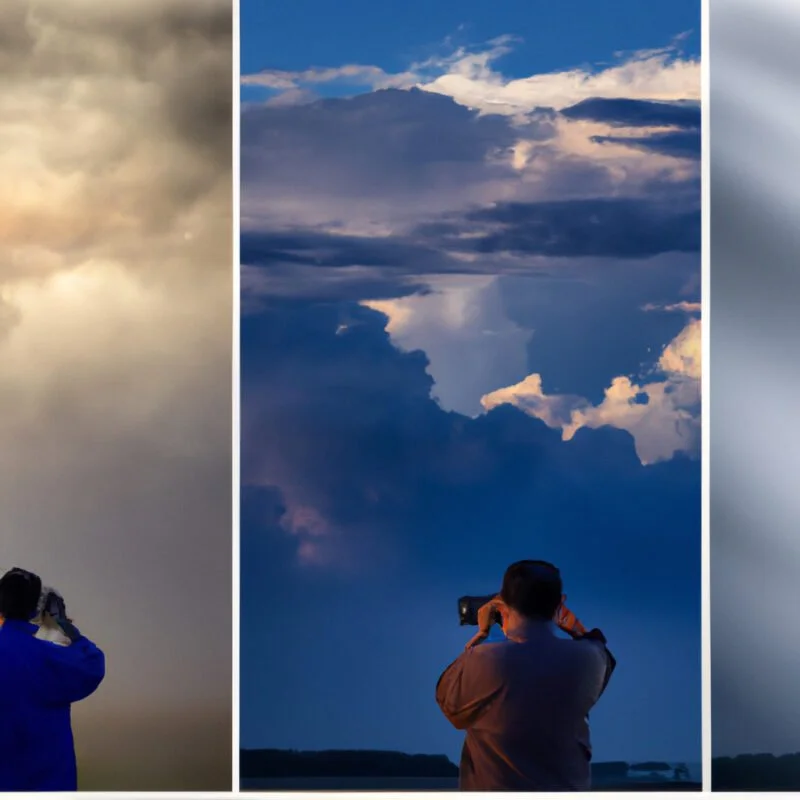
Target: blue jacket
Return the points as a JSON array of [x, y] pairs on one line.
[[39, 681]]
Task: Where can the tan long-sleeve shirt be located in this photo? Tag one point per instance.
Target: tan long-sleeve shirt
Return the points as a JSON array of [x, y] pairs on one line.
[[524, 703]]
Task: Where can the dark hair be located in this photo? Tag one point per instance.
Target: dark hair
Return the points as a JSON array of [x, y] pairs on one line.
[[19, 594], [532, 588]]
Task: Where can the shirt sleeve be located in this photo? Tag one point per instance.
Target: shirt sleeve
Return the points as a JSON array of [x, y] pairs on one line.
[[71, 673], [611, 665], [467, 687], [598, 640]]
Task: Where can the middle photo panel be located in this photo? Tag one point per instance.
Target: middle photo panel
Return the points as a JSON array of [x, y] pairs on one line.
[[470, 399]]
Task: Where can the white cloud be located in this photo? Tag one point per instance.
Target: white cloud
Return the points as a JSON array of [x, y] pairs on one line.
[[662, 415], [682, 356], [473, 348], [574, 144], [355, 74], [683, 306], [654, 75], [528, 395], [462, 326], [469, 78]]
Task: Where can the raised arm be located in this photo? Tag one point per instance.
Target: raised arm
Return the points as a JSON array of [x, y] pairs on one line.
[[572, 626], [466, 688], [71, 673]]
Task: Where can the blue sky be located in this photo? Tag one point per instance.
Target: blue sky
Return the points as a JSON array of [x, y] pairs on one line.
[[470, 335], [313, 33]]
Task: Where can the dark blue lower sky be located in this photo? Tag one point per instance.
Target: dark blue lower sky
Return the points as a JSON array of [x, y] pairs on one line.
[[367, 511]]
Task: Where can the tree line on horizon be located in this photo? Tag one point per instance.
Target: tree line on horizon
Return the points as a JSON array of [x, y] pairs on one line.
[[756, 772]]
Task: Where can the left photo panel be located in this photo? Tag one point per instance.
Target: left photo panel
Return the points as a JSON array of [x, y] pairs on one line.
[[116, 288]]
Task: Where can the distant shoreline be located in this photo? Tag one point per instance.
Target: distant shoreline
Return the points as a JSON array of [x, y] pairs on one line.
[[408, 784], [366, 770], [377, 770]]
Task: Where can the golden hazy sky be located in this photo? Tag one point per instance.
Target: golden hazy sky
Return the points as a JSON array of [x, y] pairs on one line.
[[115, 356]]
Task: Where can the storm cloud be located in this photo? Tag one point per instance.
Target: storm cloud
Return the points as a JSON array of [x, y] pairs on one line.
[[368, 510], [115, 346]]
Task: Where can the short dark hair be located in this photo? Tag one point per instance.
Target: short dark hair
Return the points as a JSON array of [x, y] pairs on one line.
[[532, 588], [19, 594]]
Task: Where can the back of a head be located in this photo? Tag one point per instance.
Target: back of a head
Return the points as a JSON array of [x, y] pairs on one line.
[[533, 589], [19, 594]]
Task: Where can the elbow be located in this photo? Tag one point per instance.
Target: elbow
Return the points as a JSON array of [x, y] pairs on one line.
[[89, 687], [95, 676], [457, 720], [596, 635], [100, 674]]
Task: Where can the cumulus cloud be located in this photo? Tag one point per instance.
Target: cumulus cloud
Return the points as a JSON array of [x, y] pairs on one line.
[[504, 228], [660, 75], [459, 315], [477, 357], [661, 415], [467, 137], [115, 352]]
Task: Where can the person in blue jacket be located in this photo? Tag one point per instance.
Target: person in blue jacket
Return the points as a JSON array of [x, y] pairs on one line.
[[39, 681]]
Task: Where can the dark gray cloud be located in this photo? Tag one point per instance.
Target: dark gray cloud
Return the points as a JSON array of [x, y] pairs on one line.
[[623, 112], [683, 118], [621, 228], [389, 158], [354, 398], [406, 144], [313, 247], [684, 144]]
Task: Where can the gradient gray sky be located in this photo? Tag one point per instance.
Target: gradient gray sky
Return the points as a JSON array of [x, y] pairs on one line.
[[115, 342], [755, 657]]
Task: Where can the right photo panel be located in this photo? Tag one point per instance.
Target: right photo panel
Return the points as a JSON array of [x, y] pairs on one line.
[[755, 376], [470, 396]]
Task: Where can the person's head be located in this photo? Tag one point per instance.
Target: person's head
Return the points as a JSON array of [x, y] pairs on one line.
[[531, 590], [19, 594]]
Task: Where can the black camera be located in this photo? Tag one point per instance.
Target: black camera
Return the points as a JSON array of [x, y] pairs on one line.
[[53, 604], [469, 605]]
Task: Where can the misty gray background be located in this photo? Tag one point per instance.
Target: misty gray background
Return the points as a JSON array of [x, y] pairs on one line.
[[755, 375], [115, 356]]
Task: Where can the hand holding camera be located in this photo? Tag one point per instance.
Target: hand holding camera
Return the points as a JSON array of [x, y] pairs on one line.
[[567, 621], [54, 605], [488, 614], [56, 609]]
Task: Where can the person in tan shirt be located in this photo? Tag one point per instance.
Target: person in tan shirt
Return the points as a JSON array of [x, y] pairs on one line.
[[524, 702]]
